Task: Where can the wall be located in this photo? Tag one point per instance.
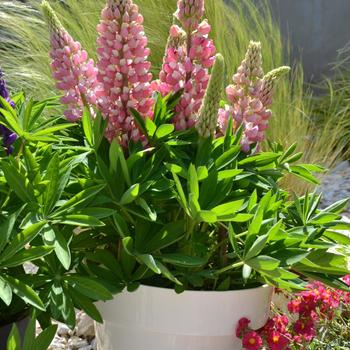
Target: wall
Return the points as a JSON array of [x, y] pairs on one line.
[[316, 28]]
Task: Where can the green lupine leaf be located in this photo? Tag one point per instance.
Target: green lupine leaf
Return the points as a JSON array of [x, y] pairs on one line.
[[183, 260], [87, 127], [164, 130], [60, 245], [80, 220], [14, 339], [89, 287], [84, 303], [263, 263], [130, 195], [26, 255], [27, 294], [79, 198], [44, 339], [21, 239], [257, 247], [18, 183], [28, 341], [228, 208], [5, 292]]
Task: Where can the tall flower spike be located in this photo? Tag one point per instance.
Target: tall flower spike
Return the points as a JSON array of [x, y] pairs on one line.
[[208, 115], [186, 66], [74, 72], [254, 60], [249, 97], [173, 74], [123, 70], [189, 13], [269, 82]]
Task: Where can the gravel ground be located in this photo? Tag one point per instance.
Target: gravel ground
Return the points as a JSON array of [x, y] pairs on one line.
[[335, 186]]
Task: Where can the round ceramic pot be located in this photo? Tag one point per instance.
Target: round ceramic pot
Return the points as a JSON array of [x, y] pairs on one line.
[[159, 319]]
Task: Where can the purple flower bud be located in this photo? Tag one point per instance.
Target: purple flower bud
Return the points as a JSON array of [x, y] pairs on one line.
[[9, 140], [9, 150], [8, 137]]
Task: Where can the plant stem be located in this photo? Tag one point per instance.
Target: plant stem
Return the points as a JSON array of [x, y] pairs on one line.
[[230, 267]]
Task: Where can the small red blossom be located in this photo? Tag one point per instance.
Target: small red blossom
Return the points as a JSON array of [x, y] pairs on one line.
[[305, 329], [252, 341], [277, 341], [242, 327]]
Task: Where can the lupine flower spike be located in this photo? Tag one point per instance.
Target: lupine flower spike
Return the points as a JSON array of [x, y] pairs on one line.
[[187, 61], [8, 137], [208, 114], [189, 13], [249, 97], [269, 82], [74, 72], [123, 70]]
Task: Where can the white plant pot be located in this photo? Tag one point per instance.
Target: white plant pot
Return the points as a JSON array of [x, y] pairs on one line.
[[159, 319]]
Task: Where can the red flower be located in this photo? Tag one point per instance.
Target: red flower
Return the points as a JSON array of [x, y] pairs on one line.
[[346, 279], [305, 329], [252, 341], [242, 327], [294, 306], [277, 341]]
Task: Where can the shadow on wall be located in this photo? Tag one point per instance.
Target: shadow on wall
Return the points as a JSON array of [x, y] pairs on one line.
[[316, 30]]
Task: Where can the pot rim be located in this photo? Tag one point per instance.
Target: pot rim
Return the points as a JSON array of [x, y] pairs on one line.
[[211, 292]]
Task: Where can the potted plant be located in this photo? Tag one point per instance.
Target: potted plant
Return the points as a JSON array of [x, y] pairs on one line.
[[193, 202]]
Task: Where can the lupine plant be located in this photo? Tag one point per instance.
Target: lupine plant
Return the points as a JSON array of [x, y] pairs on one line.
[[197, 205], [152, 189]]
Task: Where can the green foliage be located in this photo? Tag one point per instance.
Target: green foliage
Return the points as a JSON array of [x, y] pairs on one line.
[[201, 214], [46, 193], [234, 24], [30, 341]]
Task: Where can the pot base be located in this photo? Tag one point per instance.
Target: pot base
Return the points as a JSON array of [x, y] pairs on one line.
[[159, 319]]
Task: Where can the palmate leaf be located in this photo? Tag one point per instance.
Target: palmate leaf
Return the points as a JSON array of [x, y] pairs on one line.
[[5, 292], [14, 339], [84, 303], [18, 182], [79, 198], [21, 239], [55, 238], [61, 305], [6, 229], [147, 259], [88, 286], [28, 341], [79, 220], [26, 255], [87, 127], [44, 339], [27, 294]]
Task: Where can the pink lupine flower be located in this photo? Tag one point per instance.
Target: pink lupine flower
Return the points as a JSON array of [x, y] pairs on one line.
[[187, 60], [123, 70], [249, 98], [189, 13], [74, 72]]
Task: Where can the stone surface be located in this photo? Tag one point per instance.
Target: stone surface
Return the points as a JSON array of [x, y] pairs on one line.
[[81, 338]]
